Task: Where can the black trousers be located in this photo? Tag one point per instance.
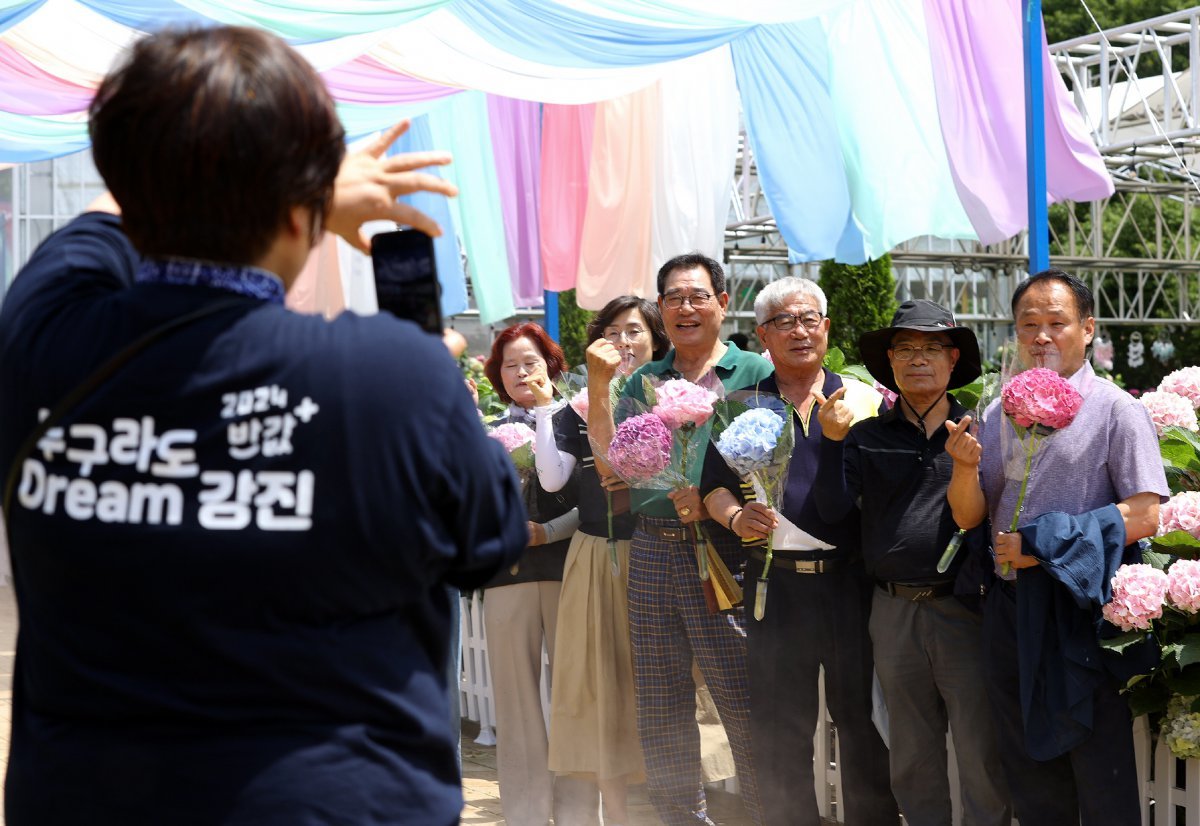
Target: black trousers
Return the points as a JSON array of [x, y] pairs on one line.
[[813, 620], [1093, 784]]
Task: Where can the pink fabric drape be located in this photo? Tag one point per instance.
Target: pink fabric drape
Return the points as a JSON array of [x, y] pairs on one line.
[[615, 249], [516, 147], [566, 161], [318, 288], [978, 77], [27, 89]]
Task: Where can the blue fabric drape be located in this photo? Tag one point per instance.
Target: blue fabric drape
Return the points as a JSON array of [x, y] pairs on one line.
[[783, 77], [453, 280]]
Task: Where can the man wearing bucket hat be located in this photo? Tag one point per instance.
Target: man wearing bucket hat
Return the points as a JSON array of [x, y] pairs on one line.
[[927, 643]]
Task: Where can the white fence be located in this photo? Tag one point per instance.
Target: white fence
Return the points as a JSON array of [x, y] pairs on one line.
[[1170, 787]]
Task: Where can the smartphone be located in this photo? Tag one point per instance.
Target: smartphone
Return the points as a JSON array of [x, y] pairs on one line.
[[406, 277]]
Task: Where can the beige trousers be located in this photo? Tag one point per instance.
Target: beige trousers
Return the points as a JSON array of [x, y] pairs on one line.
[[516, 620]]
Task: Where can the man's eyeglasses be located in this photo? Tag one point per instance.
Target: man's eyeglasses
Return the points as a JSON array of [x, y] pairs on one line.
[[696, 300], [905, 352], [632, 335], [786, 321]]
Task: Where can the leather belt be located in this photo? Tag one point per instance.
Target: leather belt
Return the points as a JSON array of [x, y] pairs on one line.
[[675, 534], [917, 593], [801, 566]]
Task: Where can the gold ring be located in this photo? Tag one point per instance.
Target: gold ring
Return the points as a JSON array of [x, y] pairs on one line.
[[685, 511]]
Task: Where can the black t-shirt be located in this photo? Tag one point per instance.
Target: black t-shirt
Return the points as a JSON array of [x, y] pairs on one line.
[[231, 559], [540, 563], [899, 480], [570, 434]]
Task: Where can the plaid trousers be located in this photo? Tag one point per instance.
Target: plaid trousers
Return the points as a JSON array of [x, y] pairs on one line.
[[669, 626]]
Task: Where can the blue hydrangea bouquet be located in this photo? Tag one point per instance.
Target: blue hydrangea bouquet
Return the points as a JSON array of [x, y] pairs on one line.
[[754, 433]]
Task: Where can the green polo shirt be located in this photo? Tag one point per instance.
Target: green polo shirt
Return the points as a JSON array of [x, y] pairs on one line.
[[737, 369]]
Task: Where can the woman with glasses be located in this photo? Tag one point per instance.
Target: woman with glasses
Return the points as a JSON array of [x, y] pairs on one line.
[[593, 722], [522, 601]]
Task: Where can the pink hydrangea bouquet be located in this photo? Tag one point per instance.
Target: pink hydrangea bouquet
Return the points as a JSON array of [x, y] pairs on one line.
[[518, 440], [1038, 402], [640, 449], [1183, 382], [1169, 409], [680, 404]]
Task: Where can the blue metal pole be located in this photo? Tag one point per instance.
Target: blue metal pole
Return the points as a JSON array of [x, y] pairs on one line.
[[1035, 139], [550, 320]]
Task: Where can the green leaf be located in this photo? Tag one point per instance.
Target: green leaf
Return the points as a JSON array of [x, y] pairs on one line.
[[1189, 650], [1180, 448], [649, 396], [968, 395], [857, 371], [1147, 697], [1177, 543], [1122, 641], [1186, 682], [1156, 560], [835, 359]]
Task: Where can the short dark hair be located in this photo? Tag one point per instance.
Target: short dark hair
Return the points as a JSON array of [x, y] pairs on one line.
[[1085, 302], [649, 310], [556, 362], [691, 260], [207, 138]]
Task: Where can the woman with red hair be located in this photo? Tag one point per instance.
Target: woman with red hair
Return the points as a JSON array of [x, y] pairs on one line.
[[522, 606]]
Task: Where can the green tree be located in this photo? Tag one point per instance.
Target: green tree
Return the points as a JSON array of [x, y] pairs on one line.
[[861, 298], [572, 327]]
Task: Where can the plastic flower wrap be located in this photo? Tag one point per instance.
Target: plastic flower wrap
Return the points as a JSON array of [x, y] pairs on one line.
[[1180, 513], [1181, 727], [679, 412], [1183, 585], [1183, 382], [1038, 402], [1170, 410], [1138, 592], [755, 435]]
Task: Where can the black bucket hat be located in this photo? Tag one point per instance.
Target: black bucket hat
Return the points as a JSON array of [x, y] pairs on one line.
[[924, 317]]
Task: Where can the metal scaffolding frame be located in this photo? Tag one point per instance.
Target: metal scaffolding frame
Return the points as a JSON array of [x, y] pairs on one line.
[[1136, 247]]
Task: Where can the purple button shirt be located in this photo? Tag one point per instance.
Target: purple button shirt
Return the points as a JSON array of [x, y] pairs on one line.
[[1107, 454]]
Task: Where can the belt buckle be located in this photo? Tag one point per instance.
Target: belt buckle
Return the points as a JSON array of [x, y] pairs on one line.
[[808, 566], [923, 595]]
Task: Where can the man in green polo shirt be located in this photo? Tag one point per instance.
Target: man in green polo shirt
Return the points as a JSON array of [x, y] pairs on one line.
[[669, 622]]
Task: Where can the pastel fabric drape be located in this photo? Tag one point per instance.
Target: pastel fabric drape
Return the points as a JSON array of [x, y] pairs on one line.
[[871, 121], [881, 80], [451, 278], [318, 287], [694, 166], [615, 249], [566, 159], [978, 75], [461, 125], [516, 147], [783, 78], [309, 20], [442, 49]]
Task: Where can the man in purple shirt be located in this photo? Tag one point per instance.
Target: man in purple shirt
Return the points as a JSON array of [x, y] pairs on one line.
[[1095, 487]]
